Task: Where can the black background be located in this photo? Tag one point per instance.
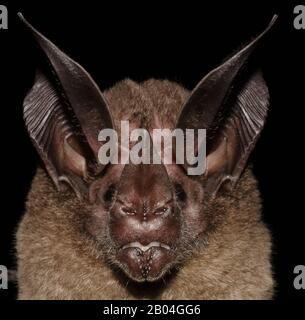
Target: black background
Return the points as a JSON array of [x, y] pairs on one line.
[[181, 42]]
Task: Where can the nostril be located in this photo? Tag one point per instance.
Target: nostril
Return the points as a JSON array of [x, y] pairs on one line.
[[128, 211]]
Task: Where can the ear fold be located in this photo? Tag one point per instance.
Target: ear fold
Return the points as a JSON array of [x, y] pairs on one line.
[[238, 134], [233, 118], [64, 113]]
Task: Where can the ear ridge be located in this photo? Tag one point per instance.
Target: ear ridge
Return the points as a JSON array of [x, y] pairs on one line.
[[50, 129], [80, 90], [239, 134]]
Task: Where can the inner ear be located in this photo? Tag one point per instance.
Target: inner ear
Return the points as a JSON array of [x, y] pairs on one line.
[[74, 158]]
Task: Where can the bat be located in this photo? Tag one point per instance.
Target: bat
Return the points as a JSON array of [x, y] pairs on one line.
[[126, 230]]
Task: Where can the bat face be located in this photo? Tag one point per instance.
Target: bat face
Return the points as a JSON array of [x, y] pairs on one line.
[[147, 219], [145, 223]]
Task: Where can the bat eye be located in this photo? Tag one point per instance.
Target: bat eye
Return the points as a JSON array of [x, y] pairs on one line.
[[109, 194], [180, 193], [129, 211], [161, 210]]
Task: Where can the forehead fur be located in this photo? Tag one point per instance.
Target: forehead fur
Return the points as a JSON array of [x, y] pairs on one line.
[[150, 104]]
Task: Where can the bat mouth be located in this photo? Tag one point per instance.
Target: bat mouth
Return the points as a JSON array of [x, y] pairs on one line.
[[145, 263], [153, 244]]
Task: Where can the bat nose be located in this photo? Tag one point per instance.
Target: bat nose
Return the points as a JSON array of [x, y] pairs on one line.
[[144, 224], [144, 210]]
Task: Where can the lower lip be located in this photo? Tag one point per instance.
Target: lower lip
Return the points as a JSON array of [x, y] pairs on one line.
[[144, 266]]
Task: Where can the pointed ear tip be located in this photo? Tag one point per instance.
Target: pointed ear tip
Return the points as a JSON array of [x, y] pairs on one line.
[[273, 20], [23, 20], [20, 16], [29, 26]]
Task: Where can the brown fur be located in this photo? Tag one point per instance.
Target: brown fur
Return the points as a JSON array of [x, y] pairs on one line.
[[56, 259]]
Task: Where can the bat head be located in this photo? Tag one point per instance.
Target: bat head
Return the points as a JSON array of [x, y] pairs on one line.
[[145, 218]]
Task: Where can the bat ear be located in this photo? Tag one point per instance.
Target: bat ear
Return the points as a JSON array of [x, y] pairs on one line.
[[232, 106], [64, 113]]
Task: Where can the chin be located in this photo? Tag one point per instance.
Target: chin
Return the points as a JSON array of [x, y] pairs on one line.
[[146, 263]]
